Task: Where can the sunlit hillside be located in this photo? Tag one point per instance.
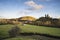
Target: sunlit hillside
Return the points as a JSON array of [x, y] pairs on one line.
[[27, 18]]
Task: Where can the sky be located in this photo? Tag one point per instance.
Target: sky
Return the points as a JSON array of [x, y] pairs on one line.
[[34, 8]]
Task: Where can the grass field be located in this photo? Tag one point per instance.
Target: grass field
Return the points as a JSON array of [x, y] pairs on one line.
[[29, 29], [21, 38], [41, 29]]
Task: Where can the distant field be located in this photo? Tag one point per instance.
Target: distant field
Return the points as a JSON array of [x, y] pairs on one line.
[[29, 29]]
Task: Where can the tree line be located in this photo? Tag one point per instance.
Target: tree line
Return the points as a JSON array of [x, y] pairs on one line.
[[47, 21], [42, 21]]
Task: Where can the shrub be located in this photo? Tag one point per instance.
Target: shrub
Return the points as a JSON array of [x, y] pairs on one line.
[[15, 31]]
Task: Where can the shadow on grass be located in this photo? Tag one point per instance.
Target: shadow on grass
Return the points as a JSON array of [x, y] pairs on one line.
[[34, 34], [46, 35]]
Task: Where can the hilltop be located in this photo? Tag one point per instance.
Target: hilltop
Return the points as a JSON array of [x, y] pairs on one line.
[[30, 18]]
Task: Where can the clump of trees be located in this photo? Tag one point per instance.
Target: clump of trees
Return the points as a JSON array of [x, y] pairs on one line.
[[3, 21], [15, 31], [8, 21], [47, 21]]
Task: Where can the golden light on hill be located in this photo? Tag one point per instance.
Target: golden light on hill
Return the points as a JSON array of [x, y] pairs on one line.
[[28, 18]]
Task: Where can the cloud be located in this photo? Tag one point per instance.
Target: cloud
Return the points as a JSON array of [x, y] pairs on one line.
[[33, 5], [25, 12]]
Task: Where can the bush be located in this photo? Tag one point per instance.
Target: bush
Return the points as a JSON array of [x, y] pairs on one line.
[[15, 31]]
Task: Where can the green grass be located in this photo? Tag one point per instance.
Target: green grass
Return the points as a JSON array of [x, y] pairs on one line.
[[20, 38], [4, 30], [41, 29], [29, 29]]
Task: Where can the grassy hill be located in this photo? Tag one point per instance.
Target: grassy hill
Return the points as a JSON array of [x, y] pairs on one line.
[[27, 18]]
